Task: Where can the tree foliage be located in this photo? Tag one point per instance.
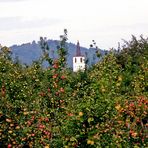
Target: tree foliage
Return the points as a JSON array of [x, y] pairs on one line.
[[105, 106]]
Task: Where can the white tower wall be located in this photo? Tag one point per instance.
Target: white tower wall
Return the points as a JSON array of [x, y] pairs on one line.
[[78, 63]]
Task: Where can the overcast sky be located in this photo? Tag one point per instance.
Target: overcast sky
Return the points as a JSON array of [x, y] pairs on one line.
[[105, 21]]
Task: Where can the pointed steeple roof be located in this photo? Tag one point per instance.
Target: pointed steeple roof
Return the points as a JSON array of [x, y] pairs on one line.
[[78, 51]]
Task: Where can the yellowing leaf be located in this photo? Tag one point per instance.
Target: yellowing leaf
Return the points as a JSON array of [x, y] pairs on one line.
[[118, 107]]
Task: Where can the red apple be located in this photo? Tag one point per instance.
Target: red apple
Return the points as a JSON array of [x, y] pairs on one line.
[[9, 146]]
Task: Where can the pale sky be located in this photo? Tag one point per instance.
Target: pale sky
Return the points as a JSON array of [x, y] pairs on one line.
[[105, 21]]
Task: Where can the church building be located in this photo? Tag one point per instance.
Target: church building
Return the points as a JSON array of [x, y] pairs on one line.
[[78, 60]]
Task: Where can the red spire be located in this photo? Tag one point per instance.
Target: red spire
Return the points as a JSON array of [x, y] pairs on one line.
[[78, 52]]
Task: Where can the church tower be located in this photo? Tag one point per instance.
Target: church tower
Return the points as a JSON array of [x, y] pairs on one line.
[[78, 60]]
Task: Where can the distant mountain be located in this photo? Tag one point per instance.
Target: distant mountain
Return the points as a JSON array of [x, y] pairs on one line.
[[29, 52]]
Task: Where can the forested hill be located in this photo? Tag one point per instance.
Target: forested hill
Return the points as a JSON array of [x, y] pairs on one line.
[[29, 52]]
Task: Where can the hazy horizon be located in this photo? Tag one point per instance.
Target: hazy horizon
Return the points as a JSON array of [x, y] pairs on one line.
[[105, 21]]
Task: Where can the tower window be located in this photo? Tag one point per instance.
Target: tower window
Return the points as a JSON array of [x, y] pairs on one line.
[[75, 60], [81, 60]]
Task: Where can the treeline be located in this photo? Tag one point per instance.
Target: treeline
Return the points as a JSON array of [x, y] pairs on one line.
[[104, 106]]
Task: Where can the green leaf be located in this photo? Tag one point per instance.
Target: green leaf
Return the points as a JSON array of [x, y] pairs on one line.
[[90, 119]]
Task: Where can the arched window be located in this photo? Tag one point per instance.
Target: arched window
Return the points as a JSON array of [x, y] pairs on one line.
[[75, 60], [81, 60]]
